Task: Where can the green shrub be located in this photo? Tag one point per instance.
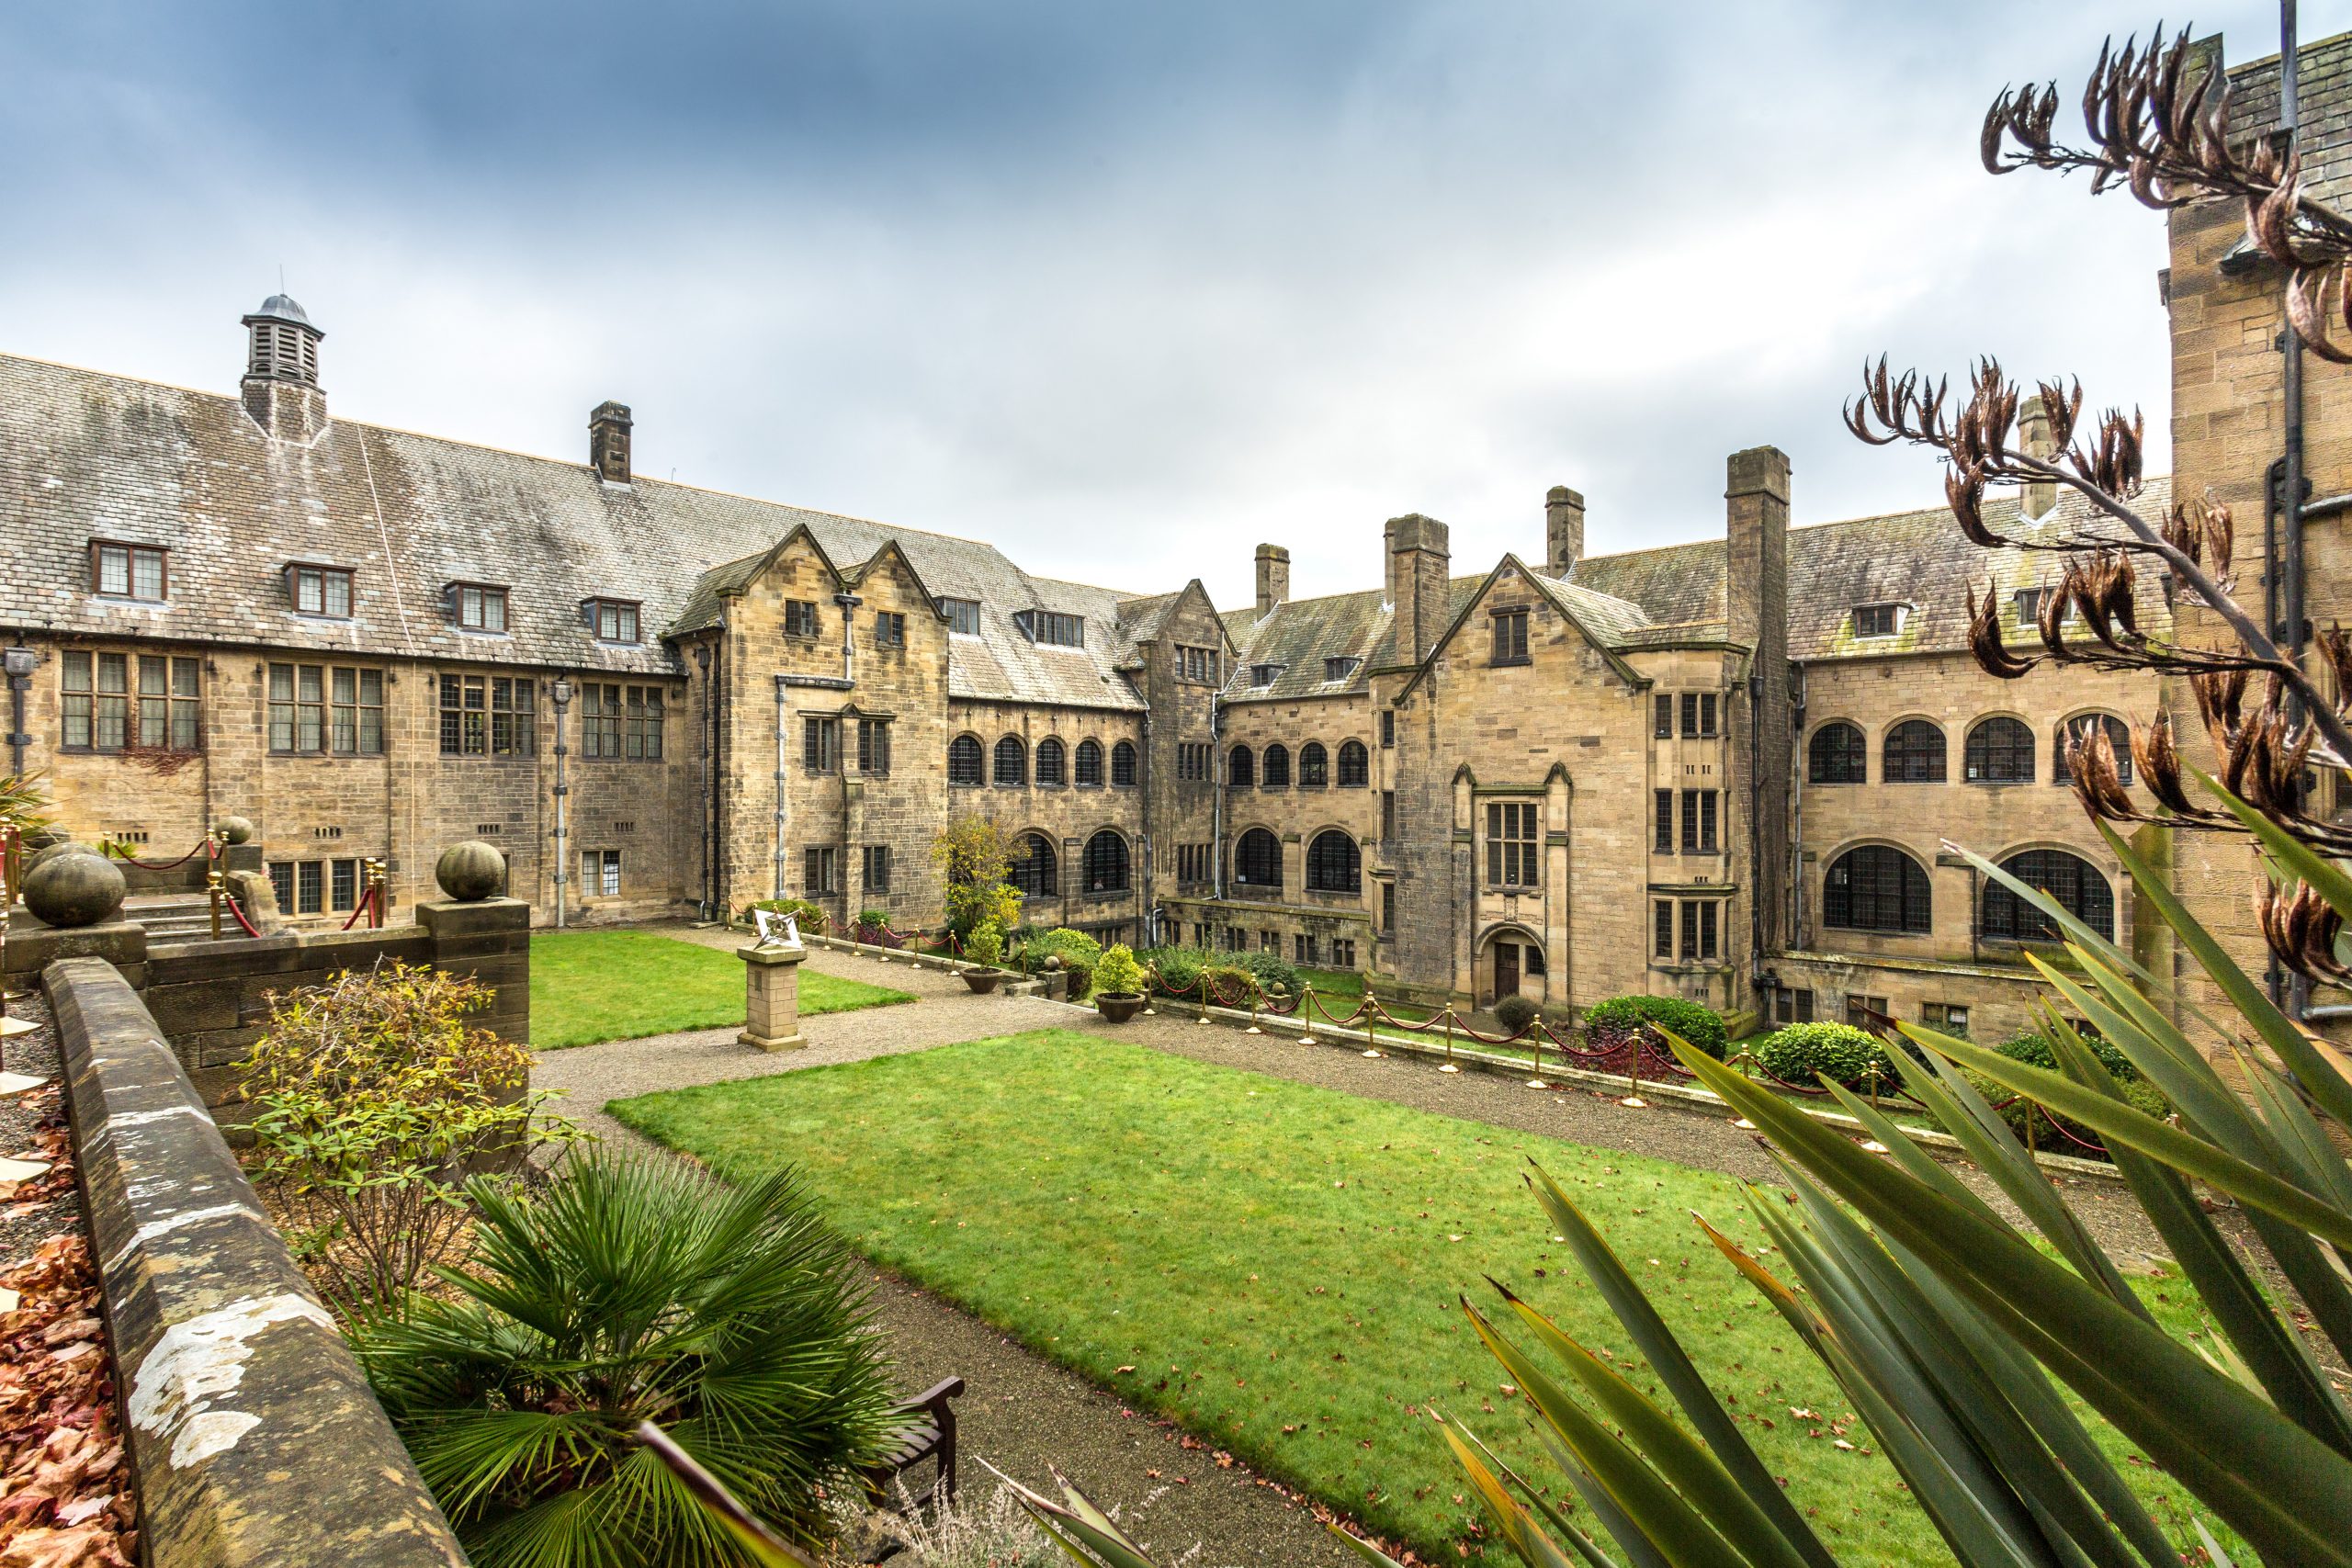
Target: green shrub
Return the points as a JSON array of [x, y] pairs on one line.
[[1516, 1013], [1614, 1021], [1803, 1054], [1230, 984], [1179, 967], [1270, 969], [1078, 951], [986, 944], [2035, 1051], [629, 1290], [1119, 974], [811, 917], [372, 1099]]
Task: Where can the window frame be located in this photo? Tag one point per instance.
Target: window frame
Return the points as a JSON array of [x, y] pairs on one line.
[[1990, 752], [1042, 880], [1314, 766], [1108, 836], [1274, 766], [978, 771], [958, 611], [1514, 833], [1824, 761], [1510, 637], [1016, 749], [2003, 917], [1351, 769], [1334, 862], [1124, 764], [330, 709], [1257, 865], [485, 594], [801, 620], [1906, 920], [1895, 612], [628, 615], [1086, 765], [1914, 756], [131, 554], [872, 747], [1049, 764], [820, 744], [507, 707], [889, 628], [322, 575], [2118, 737]]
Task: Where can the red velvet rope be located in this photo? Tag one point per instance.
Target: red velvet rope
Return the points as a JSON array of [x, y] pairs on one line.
[[208, 849], [367, 905], [231, 899]]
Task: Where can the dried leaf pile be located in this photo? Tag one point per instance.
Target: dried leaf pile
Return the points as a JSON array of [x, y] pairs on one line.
[[66, 1500]]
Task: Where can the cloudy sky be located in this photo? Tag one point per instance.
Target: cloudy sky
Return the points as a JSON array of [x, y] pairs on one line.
[[1126, 289]]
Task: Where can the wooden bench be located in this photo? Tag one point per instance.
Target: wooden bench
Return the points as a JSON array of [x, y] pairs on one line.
[[929, 1433]]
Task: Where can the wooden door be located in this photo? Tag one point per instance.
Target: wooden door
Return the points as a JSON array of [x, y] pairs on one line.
[[1506, 969]]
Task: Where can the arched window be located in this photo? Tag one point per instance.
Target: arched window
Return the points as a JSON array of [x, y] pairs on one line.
[[1238, 771], [1913, 753], [1033, 867], [1275, 774], [1313, 765], [2076, 883], [1090, 764], [1999, 750], [1106, 862], [2119, 736], [1838, 755], [1875, 888], [1123, 765], [965, 760], [1258, 864], [1012, 761], [1356, 765], [1333, 864], [1051, 758]]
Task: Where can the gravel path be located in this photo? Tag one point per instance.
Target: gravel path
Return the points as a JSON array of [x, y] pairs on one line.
[[1023, 1412], [29, 1218]]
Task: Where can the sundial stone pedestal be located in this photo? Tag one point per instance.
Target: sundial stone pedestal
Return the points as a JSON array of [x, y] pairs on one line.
[[771, 997]]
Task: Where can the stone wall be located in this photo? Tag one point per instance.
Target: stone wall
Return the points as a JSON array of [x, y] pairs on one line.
[[251, 1428], [210, 999]]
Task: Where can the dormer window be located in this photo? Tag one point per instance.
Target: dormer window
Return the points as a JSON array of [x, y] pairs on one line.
[[320, 590], [1340, 669], [1879, 620], [614, 620], [2030, 602], [963, 615], [129, 571], [1265, 674], [478, 608], [1051, 628]]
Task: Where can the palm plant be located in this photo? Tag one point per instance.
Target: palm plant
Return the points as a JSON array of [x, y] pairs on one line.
[[631, 1290]]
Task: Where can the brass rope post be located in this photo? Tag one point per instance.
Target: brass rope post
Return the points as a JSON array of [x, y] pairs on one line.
[[1305, 1018], [212, 892]]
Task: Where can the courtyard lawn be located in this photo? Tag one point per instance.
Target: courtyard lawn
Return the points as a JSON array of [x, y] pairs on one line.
[[1277, 1265], [588, 986]]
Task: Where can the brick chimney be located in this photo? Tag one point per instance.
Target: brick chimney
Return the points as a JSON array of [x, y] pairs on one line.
[[1420, 557], [2036, 497], [608, 430], [1273, 578], [1563, 531], [280, 388]]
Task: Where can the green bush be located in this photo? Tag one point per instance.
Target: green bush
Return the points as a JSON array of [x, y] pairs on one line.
[[986, 944], [811, 917], [627, 1289], [1803, 1054], [1078, 951], [1178, 967], [1614, 1021], [1230, 984], [1271, 969], [1516, 1013], [372, 1098], [1119, 974], [2035, 1051]]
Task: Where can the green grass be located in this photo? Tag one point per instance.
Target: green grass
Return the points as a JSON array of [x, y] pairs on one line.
[[1341, 989], [1277, 1265], [588, 986]]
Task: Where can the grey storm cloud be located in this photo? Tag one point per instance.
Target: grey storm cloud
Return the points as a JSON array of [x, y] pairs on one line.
[[1124, 288]]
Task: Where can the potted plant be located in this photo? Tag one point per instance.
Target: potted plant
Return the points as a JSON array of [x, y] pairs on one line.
[[1118, 984], [984, 947]]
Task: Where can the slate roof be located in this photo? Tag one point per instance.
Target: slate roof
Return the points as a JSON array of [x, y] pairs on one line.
[[84, 455], [1674, 594]]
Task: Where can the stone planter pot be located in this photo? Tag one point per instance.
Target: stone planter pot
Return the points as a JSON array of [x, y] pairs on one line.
[[1117, 1007], [982, 981]]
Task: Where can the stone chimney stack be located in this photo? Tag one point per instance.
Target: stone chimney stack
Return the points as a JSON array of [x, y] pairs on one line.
[[2036, 497], [1420, 559], [608, 429], [1563, 531], [281, 389], [1273, 578], [1755, 610]]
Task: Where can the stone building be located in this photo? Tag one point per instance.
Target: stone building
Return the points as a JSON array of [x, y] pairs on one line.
[[1727, 769]]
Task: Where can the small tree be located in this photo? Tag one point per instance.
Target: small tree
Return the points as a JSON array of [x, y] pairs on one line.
[[976, 858]]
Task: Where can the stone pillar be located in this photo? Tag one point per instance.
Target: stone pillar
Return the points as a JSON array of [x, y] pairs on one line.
[[771, 997], [487, 940]]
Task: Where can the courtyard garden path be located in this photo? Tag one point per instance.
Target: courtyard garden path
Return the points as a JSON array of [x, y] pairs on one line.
[[1023, 1412]]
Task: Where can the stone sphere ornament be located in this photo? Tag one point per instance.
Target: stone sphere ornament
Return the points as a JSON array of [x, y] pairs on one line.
[[75, 890], [58, 850], [470, 872], [236, 830]]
